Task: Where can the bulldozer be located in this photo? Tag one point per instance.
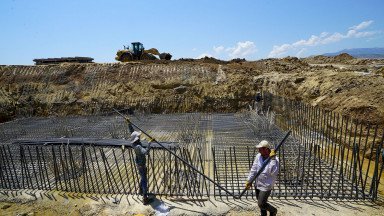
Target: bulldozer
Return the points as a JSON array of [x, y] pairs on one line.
[[137, 52]]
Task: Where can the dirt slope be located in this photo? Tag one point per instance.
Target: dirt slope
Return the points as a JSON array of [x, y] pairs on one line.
[[343, 84]]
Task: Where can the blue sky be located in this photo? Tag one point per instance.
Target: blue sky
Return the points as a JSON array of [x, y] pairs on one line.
[[225, 29]]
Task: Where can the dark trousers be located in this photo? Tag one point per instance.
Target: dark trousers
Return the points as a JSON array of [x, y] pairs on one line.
[[262, 202], [143, 180]]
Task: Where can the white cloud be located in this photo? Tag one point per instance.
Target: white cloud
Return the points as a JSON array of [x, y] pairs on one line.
[[242, 49], [277, 50], [362, 25], [218, 49], [333, 38], [323, 38]]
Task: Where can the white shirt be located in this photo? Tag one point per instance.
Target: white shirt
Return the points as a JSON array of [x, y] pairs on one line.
[[266, 180]]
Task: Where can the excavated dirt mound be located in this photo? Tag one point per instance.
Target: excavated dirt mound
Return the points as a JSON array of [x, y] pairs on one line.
[[344, 58], [350, 86]]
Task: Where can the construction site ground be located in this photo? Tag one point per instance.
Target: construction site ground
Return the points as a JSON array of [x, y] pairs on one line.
[[59, 203], [349, 86], [352, 87]]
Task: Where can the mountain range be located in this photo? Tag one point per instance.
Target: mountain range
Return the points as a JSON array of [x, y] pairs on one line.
[[376, 52]]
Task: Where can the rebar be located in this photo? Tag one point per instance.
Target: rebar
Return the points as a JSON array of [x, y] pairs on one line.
[[327, 156]]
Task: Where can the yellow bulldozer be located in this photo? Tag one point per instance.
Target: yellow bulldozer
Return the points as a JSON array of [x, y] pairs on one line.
[[137, 52]]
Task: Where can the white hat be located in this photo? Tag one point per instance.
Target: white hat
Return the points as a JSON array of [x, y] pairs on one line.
[[135, 135], [264, 143]]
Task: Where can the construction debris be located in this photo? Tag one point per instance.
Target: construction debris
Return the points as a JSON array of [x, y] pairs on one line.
[[48, 61]]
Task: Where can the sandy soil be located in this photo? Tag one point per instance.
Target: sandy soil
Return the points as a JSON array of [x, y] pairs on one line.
[[59, 203], [352, 87]]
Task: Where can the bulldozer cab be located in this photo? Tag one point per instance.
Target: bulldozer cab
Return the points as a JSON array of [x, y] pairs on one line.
[[137, 48]]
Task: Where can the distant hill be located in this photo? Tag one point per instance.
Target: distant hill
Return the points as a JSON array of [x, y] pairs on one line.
[[377, 53]]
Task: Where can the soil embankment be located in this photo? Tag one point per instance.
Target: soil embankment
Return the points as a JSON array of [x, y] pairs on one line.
[[352, 87]]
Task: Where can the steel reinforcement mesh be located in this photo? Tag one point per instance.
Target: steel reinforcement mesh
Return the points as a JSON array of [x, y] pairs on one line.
[[220, 147]]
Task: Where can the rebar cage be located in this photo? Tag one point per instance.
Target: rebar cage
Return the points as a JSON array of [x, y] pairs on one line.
[[327, 156]]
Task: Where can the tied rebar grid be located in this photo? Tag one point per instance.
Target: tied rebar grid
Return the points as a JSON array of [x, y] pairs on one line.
[[351, 151], [221, 146], [39, 161], [95, 169]]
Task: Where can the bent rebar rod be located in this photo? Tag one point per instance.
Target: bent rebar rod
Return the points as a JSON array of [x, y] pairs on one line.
[[264, 165], [184, 161]]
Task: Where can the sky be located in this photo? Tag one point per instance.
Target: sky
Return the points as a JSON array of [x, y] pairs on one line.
[[223, 29]]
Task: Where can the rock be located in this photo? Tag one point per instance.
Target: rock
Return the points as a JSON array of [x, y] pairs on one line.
[[315, 92], [337, 90], [6, 206], [165, 56], [299, 80], [180, 89]]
